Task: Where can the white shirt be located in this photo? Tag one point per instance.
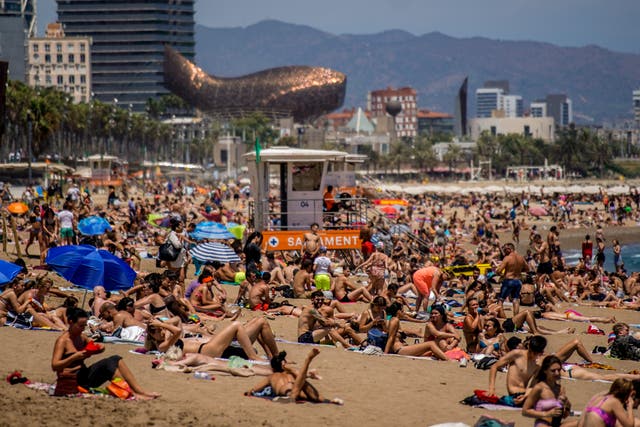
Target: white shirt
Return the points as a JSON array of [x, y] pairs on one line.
[[66, 219], [323, 264]]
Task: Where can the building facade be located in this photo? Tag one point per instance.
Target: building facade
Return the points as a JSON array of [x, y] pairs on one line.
[[535, 127], [488, 100], [538, 109], [433, 123], [61, 62], [17, 23], [128, 43], [560, 107], [512, 106], [406, 122], [636, 107]]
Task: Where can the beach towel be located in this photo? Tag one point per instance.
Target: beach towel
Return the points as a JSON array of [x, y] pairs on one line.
[[267, 393]]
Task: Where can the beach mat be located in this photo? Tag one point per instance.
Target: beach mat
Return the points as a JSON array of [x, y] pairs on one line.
[[267, 393]]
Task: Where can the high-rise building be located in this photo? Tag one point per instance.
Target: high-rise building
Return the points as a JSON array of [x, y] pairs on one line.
[[539, 108], [512, 106], [636, 106], [61, 62], [406, 122], [488, 100], [560, 107], [17, 23], [460, 121], [128, 43]]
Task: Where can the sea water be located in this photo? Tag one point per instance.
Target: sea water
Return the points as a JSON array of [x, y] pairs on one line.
[[630, 255]]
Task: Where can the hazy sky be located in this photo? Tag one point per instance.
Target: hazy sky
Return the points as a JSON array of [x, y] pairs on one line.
[[609, 23]]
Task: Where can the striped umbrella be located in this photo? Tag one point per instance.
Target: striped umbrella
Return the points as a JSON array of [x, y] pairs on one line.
[[214, 252], [211, 230]]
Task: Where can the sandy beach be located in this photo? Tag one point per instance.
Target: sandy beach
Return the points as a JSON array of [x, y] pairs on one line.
[[377, 390]]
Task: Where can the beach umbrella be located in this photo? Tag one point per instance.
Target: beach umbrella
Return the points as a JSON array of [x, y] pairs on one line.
[[87, 267], [537, 211], [8, 271], [18, 208], [211, 230], [236, 229], [389, 210], [93, 226], [214, 252]]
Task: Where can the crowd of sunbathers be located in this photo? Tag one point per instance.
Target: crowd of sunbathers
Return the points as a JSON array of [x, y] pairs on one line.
[[395, 275]]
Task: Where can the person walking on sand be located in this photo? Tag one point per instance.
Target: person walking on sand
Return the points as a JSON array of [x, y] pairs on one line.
[[513, 265]]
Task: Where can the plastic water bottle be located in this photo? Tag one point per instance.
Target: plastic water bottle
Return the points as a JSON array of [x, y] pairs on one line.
[[202, 376], [463, 362]]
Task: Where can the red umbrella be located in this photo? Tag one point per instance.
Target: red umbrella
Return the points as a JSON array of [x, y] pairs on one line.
[[389, 210], [538, 211]]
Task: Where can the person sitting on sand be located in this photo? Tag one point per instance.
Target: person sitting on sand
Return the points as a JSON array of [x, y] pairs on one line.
[[69, 354], [38, 308], [440, 331], [612, 408], [491, 340], [396, 345], [345, 291], [522, 366], [287, 382], [9, 300], [260, 293], [303, 279], [547, 402], [313, 326]]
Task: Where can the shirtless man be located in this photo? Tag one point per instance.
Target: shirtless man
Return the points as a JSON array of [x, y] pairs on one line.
[[120, 319], [226, 273], [99, 298], [313, 326], [513, 265], [522, 367], [345, 291], [259, 298], [544, 252], [311, 243], [303, 279], [246, 285]]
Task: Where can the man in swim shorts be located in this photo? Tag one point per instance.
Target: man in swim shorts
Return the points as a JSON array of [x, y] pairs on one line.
[[513, 265], [322, 270]]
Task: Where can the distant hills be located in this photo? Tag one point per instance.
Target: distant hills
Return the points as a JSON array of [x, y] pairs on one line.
[[598, 80]]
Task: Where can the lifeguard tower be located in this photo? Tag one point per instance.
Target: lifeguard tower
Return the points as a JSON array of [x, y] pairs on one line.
[[288, 185]]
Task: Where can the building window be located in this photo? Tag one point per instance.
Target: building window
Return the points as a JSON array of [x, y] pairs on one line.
[[493, 131], [35, 47], [47, 47], [83, 58], [72, 80], [83, 79], [60, 80], [47, 79], [36, 57], [59, 47], [82, 48], [59, 58], [70, 47], [72, 58], [47, 58]]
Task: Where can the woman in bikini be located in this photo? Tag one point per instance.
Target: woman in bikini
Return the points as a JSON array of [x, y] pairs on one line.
[[154, 301], [547, 401], [491, 340], [38, 308], [395, 345], [376, 266], [9, 300], [162, 335], [605, 409], [287, 382], [440, 331]]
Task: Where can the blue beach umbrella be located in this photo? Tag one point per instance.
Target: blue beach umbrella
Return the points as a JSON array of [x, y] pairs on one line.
[[93, 226], [8, 272], [87, 267], [213, 251], [211, 230]]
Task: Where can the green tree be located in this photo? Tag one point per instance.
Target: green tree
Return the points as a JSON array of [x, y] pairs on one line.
[[422, 153]]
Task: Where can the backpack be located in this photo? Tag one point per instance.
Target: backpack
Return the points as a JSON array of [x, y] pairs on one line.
[[168, 252], [377, 337]]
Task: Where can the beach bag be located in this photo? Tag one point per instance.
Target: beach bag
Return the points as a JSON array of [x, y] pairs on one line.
[[67, 384], [168, 252], [22, 320], [486, 362], [527, 294], [377, 337], [120, 388]]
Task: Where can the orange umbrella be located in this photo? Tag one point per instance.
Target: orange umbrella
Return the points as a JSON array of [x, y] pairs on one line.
[[389, 210], [18, 208]]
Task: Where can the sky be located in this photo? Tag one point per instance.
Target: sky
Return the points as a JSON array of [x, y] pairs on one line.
[[612, 24]]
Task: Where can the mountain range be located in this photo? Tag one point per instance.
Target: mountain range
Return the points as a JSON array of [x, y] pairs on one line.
[[599, 81]]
